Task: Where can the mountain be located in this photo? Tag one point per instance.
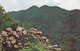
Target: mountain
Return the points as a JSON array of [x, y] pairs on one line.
[[25, 14], [59, 25], [48, 19], [13, 38], [71, 31]]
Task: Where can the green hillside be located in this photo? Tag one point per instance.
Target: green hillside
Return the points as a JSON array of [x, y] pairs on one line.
[[13, 38], [59, 25], [48, 19]]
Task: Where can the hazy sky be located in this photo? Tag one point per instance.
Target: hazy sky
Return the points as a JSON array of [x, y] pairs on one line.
[[11, 5]]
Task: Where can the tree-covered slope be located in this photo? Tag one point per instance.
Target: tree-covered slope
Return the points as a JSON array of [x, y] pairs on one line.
[[25, 14], [16, 38], [6, 20], [48, 19], [59, 25], [71, 32]]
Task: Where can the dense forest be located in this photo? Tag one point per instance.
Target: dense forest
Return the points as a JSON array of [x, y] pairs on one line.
[[14, 36], [59, 25], [48, 19]]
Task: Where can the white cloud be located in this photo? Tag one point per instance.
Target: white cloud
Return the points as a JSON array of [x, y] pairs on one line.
[[70, 4], [11, 5]]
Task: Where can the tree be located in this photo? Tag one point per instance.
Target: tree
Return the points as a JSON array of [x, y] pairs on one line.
[[6, 20], [71, 32]]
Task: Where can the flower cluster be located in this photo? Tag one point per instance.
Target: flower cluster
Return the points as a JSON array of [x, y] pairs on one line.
[[13, 39], [38, 35]]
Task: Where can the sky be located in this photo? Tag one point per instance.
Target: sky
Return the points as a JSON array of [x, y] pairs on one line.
[[15, 5]]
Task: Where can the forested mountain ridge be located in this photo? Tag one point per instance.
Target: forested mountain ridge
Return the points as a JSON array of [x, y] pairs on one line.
[[36, 11], [59, 25], [13, 38], [48, 19]]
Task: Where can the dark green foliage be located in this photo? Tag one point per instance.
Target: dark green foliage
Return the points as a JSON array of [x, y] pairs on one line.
[[72, 34], [48, 19], [6, 20], [61, 26]]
